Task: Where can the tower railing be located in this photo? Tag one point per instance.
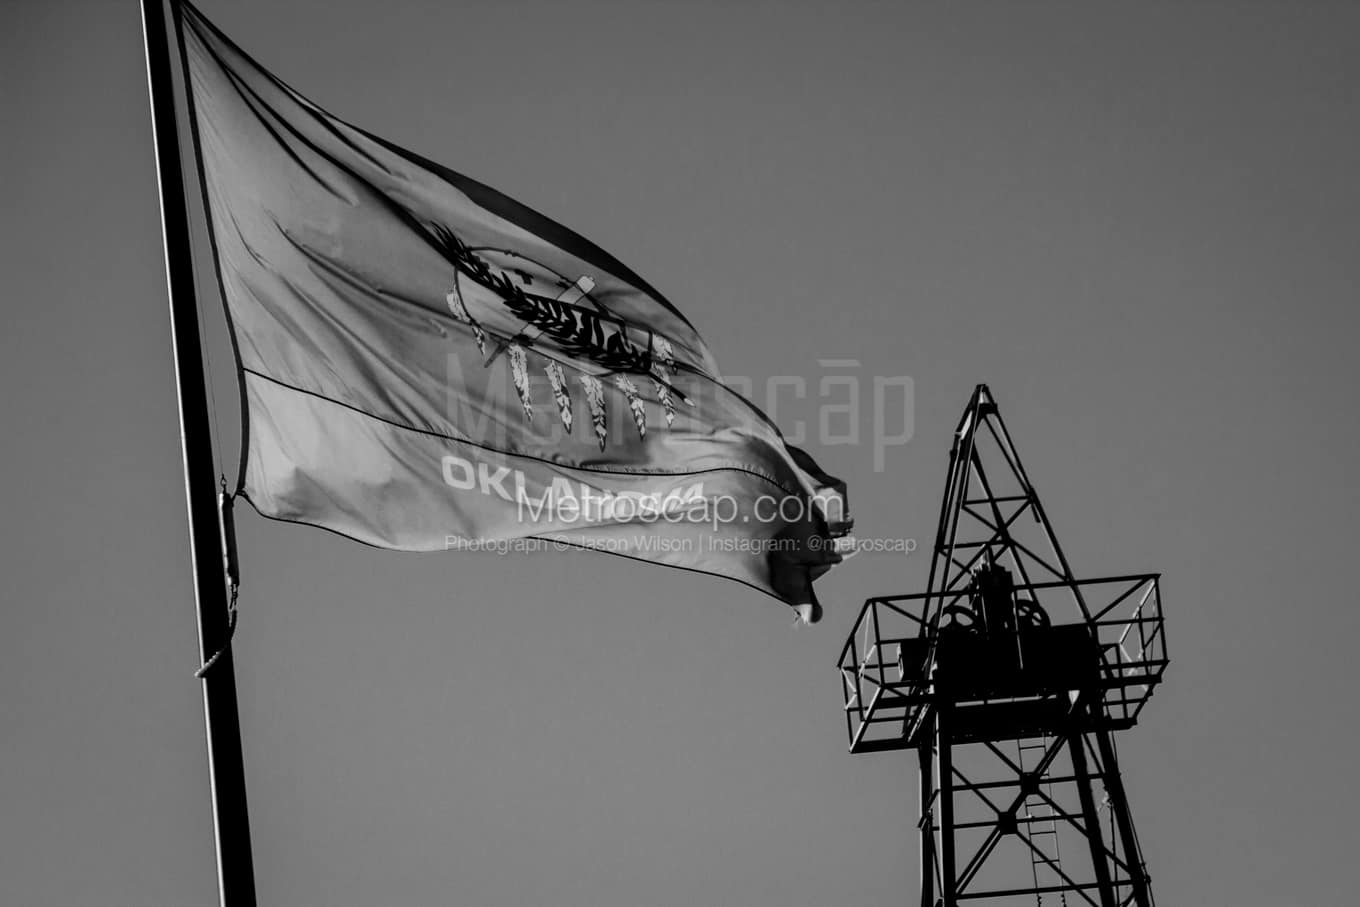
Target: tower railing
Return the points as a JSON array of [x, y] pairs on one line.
[[888, 665]]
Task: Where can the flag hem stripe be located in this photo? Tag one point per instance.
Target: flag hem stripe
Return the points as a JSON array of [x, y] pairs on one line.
[[177, 13]]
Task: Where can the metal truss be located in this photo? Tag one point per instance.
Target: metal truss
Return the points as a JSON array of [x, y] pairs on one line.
[[1008, 675], [1038, 820]]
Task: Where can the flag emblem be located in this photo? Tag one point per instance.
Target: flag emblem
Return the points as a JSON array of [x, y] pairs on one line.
[[562, 324]]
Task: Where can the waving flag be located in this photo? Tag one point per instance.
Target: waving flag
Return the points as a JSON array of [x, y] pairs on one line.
[[428, 364]]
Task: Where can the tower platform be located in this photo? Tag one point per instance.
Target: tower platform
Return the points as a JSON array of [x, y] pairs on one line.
[[896, 665]]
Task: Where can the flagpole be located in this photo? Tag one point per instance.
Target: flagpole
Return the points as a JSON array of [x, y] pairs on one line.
[[226, 770]]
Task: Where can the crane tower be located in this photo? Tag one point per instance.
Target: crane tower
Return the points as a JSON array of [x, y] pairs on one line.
[[1009, 676]]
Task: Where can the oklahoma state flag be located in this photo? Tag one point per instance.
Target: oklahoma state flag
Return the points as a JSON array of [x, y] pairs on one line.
[[428, 364]]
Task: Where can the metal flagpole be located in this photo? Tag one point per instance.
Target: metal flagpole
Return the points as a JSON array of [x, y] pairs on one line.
[[235, 870]]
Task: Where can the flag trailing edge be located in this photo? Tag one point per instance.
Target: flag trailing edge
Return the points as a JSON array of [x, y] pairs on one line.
[[428, 364]]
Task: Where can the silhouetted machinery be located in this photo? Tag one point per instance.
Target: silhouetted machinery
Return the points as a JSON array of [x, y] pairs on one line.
[[1008, 676]]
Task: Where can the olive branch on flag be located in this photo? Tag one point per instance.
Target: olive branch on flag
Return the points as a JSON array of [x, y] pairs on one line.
[[594, 335]]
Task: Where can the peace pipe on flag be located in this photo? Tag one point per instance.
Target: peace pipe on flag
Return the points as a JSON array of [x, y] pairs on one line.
[[427, 364]]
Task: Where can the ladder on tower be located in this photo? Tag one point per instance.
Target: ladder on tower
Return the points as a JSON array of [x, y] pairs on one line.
[[1042, 826]]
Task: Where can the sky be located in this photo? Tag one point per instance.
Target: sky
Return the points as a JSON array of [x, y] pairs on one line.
[[1137, 224]]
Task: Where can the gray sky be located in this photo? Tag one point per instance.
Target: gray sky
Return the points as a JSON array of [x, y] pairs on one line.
[[1140, 226]]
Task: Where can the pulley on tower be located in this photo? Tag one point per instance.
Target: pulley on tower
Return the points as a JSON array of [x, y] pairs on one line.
[[1008, 676]]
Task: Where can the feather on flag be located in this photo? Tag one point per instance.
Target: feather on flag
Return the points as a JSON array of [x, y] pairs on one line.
[[595, 400], [558, 382], [390, 317], [630, 393], [665, 365], [519, 368]]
